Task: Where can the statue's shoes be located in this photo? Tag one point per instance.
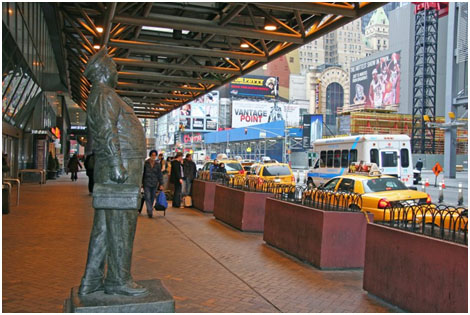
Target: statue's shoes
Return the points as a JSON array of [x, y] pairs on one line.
[[131, 289], [85, 289]]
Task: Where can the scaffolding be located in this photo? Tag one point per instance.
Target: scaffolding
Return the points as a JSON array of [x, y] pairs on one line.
[[423, 138]]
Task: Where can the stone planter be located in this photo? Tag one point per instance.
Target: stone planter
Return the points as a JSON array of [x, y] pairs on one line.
[[203, 195], [415, 272], [243, 210], [326, 239]]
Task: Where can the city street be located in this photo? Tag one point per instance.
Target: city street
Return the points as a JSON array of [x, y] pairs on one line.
[[450, 192]]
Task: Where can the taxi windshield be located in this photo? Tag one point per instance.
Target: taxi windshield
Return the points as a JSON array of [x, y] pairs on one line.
[[383, 184], [276, 170], [233, 167]]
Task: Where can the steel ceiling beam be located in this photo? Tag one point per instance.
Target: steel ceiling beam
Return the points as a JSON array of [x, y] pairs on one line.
[[154, 95], [159, 65], [144, 86], [154, 48], [145, 75], [177, 22], [310, 8]]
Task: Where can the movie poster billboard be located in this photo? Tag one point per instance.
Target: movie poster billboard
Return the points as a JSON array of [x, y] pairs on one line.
[[248, 113], [255, 86], [375, 84], [194, 116]]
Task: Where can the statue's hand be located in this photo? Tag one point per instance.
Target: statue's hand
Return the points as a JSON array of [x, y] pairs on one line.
[[118, 174]]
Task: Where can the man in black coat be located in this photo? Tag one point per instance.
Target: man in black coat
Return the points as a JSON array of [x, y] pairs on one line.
[[152, 180], [177, 177], [189, 173]]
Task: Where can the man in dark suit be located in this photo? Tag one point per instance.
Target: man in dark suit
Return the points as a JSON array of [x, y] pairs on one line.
[[176, 177]]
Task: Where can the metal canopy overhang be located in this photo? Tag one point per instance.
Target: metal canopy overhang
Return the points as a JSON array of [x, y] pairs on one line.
[[168, 54]]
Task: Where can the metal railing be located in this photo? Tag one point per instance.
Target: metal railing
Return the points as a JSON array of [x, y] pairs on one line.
[[321, 199], [439, 221]]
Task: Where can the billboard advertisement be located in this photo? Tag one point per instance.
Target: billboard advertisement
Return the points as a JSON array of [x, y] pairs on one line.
[[248, 113], [201, 114], [375, 83], [255, 86], [312, 130]]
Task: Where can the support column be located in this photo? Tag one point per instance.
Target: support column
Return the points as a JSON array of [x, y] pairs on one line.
[[450, 140]]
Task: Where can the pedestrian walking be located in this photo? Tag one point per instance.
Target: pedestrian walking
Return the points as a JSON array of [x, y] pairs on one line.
[[213, 169], [419, 165], [189, 168], [89, 166], [152, 180], [164, 168], [73, 166], [176, 177]]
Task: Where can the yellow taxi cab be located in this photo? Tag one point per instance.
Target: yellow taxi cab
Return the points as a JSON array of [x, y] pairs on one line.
[[450, 218], [278, 173], [378, 192], [233, 167]]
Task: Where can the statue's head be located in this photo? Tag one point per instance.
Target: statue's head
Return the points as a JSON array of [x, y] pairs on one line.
[[101, 68]]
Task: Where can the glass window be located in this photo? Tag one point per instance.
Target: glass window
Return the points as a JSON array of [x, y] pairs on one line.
[[25, 97], [389, 158], [374, 156], [331, 184], [405, 158], [276, 170], [346, 185], [11, 90], [344, 158], [322, 158], [230, 167], [383, 184], [337, 159], [352, 155], [329, 159], [18, 95], [334, 100]]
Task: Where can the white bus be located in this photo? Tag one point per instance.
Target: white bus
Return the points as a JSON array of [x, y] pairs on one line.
[[391, 153]]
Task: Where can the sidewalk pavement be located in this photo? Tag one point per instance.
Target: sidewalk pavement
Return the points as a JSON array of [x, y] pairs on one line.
[[206, 265], [460, 177]]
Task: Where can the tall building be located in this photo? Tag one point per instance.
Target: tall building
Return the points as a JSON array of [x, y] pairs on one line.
[[387, 8], [377, 32], [341, 47]]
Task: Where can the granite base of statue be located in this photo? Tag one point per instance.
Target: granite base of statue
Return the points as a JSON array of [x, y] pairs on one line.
[[158, 300]]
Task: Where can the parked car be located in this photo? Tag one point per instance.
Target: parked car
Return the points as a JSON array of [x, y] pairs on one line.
[[233, 167], [279, 173], [377, 192]]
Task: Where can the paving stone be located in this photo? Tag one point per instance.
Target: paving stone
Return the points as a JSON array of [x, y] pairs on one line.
[[205, 265]]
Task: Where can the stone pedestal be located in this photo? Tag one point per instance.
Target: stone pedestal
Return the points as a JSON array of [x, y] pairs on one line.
[[203, 195], [243, 210], [159, 300], [326, 239]]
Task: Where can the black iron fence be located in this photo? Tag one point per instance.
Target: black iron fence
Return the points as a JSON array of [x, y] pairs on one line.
[[445, 222], [321, 199]]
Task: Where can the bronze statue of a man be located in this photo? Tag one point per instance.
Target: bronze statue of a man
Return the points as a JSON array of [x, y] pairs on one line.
[[119, 146]]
